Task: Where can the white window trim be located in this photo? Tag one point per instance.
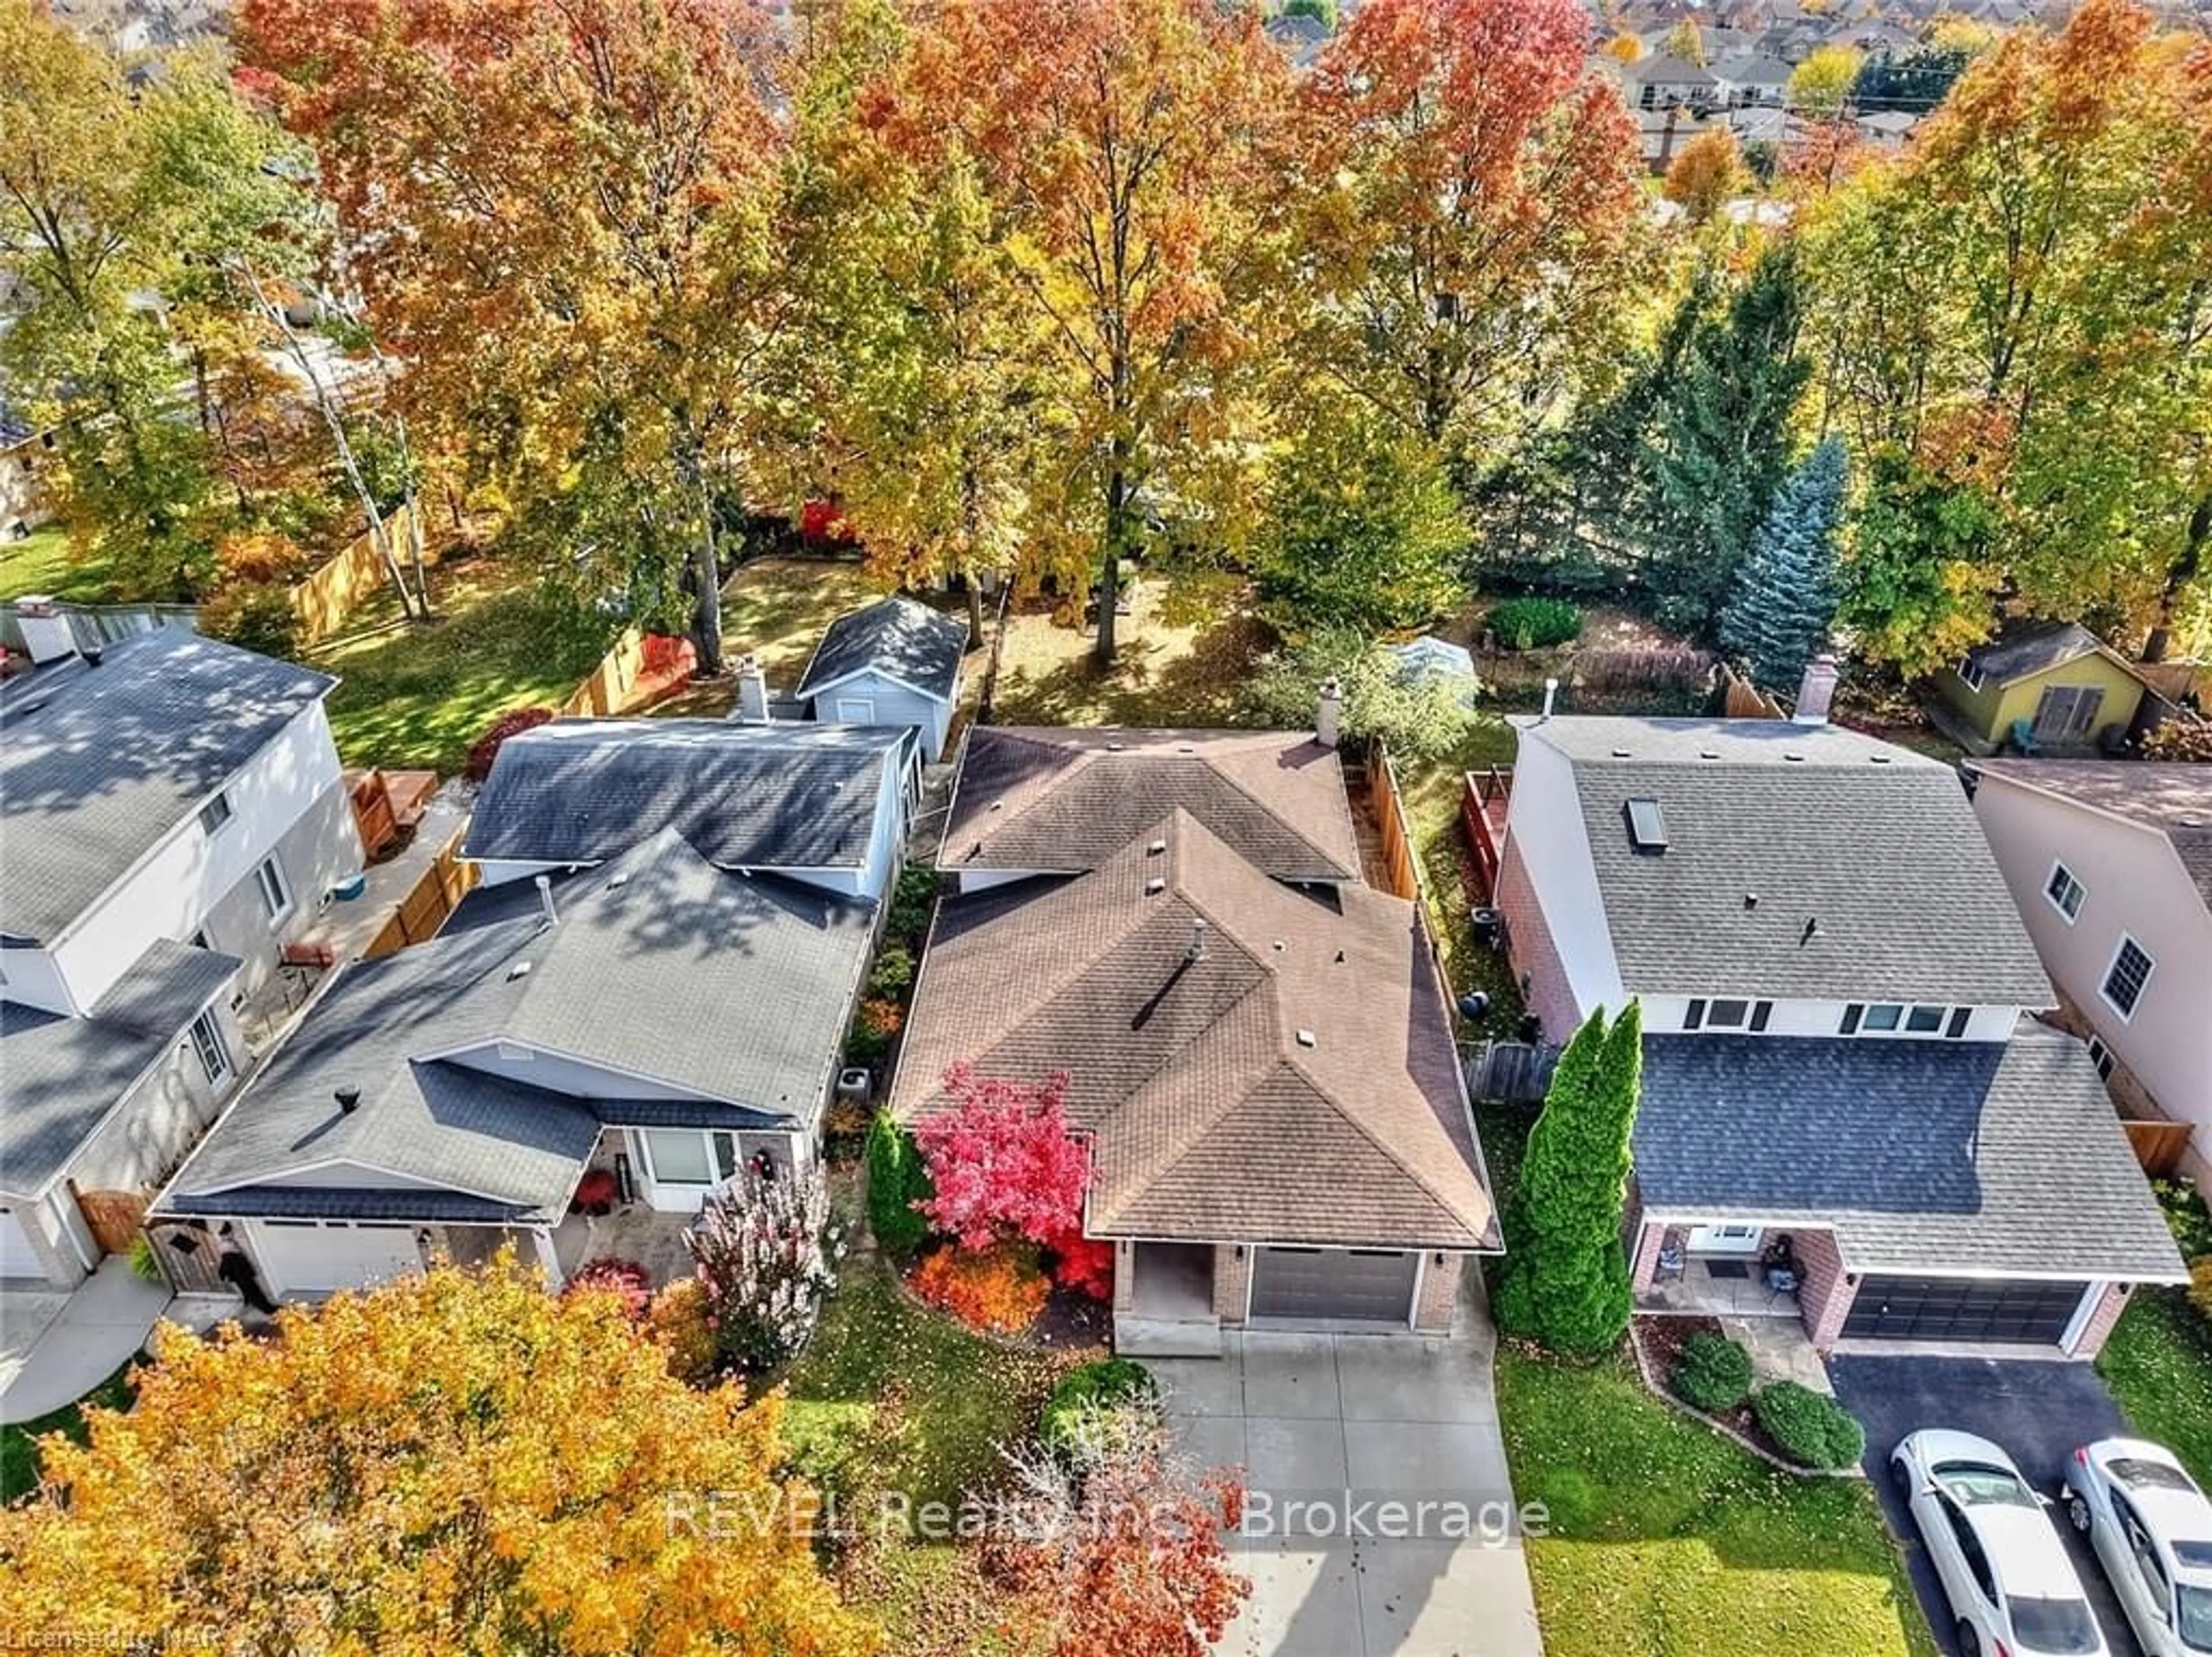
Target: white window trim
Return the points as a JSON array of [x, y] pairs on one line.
[[2057, 868], [267, 872], [715, 1179], [2104, 981], [219, 799], [205, 1027], [1902, 1031], [1971, 676]]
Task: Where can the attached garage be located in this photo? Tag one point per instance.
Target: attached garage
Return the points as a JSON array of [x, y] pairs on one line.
[[1335, 1285], [313, 1257], [2012, 1311], [17, 1257]]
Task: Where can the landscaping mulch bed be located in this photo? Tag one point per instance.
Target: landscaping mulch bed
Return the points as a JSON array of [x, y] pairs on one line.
[[1662, 1341], [1072, 1319]]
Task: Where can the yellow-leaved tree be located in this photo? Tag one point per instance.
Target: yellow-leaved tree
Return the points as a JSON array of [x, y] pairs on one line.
[[455, 1463]]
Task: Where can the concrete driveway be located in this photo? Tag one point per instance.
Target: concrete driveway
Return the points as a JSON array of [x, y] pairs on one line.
[[1343, 1439], [2038, 1410]]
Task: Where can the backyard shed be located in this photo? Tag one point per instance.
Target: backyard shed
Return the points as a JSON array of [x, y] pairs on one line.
[[2056, 682], [894, 662]]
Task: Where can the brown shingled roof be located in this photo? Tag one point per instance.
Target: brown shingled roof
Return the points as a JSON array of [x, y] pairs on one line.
[[1296, 1082], [1062, 800]]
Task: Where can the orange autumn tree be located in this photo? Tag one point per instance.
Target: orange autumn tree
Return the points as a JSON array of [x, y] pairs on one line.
[[1126, 158], [560, 211], [1709, 170], [1475, 229], [451, 1463]]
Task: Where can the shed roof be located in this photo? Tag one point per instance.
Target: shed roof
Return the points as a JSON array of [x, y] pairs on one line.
[[2026, 648], [899, 638]]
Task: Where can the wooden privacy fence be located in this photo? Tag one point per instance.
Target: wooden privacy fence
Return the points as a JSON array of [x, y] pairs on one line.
[[323, 600], [2159, 1146], [639, 669], [423, 910], [1396, 836], [1482, 811], [1509, 1070], [115, 1216]]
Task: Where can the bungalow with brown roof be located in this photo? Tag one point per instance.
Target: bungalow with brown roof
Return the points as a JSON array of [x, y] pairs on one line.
[[1257, 1044]]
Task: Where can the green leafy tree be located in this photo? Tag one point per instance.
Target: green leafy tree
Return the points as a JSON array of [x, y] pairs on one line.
[[1787, 594], [1566, 1282], [1363, 529], [1322, 11], [897, 1179], [1917, 577], [1426, 717], [1721, 444]]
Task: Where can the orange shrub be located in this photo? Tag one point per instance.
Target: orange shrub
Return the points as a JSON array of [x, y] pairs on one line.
[[682, 1322], [1001, 1290]]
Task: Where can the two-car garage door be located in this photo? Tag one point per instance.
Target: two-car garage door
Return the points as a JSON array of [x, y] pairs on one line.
[[1331, 1285], [17, 1257], [311, 1257], [1963, 1309]]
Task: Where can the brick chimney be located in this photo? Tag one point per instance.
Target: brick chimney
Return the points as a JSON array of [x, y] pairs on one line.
[[752, 693], [47, 634], [1817, 693]]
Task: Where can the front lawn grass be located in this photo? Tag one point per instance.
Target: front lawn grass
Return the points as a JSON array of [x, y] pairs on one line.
[[1665, 1539], [2158, 1364], [18, 1451], [416, 695], [41, 563]]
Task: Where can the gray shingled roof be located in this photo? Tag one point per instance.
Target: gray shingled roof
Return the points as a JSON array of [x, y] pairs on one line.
[[2170, 798], [732, 987], [1878, 844], [63, 1076], [98, 764], [744, 796], [1928, 1156], [1066, 798], [1298, 1083], [2033, 647], [899, 637]]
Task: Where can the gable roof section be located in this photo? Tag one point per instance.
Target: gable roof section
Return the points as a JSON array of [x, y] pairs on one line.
[[2031, 648], [98, 764], [2168, 798], [743, 796], [1875, 843], [900, 638], [735, 988], [63, 1076], [1924, 1156], [1212, 1117], [1063, 799]]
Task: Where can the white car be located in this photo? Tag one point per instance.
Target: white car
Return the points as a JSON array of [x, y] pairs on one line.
[[2004, 1566], [2152, 1527]]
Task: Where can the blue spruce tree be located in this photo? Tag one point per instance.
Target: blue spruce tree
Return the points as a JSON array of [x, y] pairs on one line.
[[1787, 593]]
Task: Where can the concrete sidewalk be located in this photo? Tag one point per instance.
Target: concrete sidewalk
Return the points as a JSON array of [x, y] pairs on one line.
[[54, 1348]]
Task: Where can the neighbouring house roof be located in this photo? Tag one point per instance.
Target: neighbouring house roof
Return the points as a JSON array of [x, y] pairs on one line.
[[898, 639], [743, 797], [2174, 799], [1665, 68], [1876, 843], [734, 989], [1296, 1083], [62, 1076], [98, 764], [1752, 68], [2021, 652], [1064, 799], [1942, 1156]]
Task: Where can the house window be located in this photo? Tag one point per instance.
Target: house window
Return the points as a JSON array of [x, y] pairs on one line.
[[2124, 979], [1957, 1027], [691, 1156], [1971, 672], [1727, 1014], [1924, 1021], [2064, 892], [215, 812], [1883, 1018], [2102, 1057], [275, 896], [208, 1046], [1695, 1017], [1852, 1015]]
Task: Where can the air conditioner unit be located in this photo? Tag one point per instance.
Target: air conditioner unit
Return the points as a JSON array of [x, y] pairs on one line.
[[856, 1082]]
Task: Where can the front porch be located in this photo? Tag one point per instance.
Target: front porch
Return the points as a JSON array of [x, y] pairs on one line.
[[1728, 1269], [1163, 1301], [634, 1232]]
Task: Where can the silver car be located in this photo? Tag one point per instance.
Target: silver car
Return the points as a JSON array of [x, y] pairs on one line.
[[2152, 1528], [2004, 1566]]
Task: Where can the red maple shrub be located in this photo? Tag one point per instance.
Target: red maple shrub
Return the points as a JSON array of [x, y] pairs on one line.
[[508, 724], [626, 1280]]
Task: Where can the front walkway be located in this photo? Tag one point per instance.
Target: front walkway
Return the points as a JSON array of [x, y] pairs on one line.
[[1331, 1429], [54, 1348]]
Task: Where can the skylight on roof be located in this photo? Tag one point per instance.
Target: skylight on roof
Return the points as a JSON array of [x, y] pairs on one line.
[[1647, 826]]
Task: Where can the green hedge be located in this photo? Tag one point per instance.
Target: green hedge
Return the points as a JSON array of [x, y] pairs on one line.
[[1713, 1373], [897, 1179], [1109, 1380], [1532, 623], [1810, 1426]]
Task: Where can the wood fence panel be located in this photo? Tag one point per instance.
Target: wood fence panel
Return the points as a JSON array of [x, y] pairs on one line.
[[189, 1253], [116, 1217], [324, 598], [1510, 1070], [2161, 1147], [1397, 836], [447, 881]]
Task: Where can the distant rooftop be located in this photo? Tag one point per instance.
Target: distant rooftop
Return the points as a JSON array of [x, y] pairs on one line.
[[2174, 799]]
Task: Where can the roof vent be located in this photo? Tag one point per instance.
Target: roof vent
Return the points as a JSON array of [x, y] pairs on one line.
[[1197, 950], [1280, 945], [348, 1100], [1186, 748], [1647, 826], [520, 970], [1113, 747], [1708, 754], [997, 805], [1620, 753], [615, 882], [1156, 847], [1155, 886], [1812, 931], [1878, 759], [1751, 900], [1306, 1038], [1795, 758]]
